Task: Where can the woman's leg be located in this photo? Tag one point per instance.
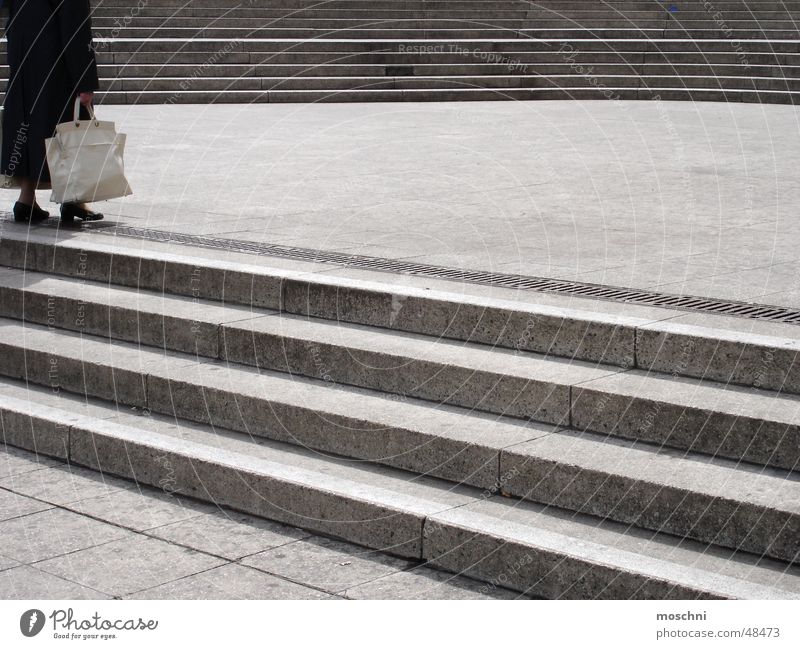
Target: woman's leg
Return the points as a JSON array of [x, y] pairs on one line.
[[27, 191]]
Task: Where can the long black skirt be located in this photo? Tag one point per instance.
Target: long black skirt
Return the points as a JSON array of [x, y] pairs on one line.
[[39, 94]]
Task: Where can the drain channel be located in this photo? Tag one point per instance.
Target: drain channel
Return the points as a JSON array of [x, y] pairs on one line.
[[547, 285]]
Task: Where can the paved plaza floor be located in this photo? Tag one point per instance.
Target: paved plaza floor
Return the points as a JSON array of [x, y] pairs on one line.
[[689, 198], [71, 533], [692, 198]]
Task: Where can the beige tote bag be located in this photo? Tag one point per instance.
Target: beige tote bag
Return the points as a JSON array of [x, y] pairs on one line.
[[85, 160]]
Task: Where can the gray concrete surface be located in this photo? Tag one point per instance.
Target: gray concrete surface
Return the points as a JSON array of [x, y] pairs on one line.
[[120, 540], [696, 198]]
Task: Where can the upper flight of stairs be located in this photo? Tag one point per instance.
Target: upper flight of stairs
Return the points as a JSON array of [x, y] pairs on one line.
[[558, 447], [172, 51]]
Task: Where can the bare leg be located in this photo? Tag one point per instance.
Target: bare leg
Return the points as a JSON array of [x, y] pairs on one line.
[[27, 191]]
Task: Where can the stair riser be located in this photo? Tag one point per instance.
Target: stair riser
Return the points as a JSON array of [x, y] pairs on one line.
[[119, 26], [542, 331], [653, 506], [507, 59], [404, 377], [258, 416], [297, 504], [704, 431], [758, 362], [643, 29], [448, 95], [694, 515], [565, 45], [221, 88], [505, 564], [540, 571], [149, 74], [117, 323]]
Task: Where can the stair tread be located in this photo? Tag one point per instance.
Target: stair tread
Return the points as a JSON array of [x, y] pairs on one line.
[[468, 293], [700, 394], [530, 524], [640, 384], [636, 462], [686, 471], [658, 555], [371, 408], [406, 346]]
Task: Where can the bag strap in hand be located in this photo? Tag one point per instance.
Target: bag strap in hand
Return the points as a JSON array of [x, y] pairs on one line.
[[76, 113]]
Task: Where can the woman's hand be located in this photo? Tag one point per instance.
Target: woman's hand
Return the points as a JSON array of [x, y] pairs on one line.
[[86, 98]]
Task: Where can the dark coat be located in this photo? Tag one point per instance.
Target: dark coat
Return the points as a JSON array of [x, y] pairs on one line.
[[51, 59]]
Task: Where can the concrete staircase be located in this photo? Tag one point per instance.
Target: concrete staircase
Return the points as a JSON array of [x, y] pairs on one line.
[[171, 51], [560, 447]]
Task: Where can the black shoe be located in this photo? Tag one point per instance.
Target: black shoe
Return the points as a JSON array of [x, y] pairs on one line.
[[29, 213], [72, 211]]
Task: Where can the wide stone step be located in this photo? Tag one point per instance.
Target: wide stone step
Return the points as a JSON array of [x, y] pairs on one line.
[[223, 85], [413, 63], [692, 414], [756, 354], [153, 72], [720, 501], [589, 92], [455, 20], [462, 529], [216, 47], [644, 30], [158, 76], [478, 377]]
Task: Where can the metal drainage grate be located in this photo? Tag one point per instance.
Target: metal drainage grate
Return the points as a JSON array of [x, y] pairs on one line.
[[581, 289]]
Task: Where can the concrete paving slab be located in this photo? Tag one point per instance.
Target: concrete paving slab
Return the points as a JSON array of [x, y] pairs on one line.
[[13, 505], [231, 582], [674, 169], [129, 565], [425, 583], [140, 509], [326, 564], [29, 583], [53, 533], [14, 462], [228, 534], [60, 485]]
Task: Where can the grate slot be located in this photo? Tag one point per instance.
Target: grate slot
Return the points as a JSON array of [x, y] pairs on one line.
[[544, 284]]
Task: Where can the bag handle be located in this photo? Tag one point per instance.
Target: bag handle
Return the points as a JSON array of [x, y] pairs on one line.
[[76, 113]]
